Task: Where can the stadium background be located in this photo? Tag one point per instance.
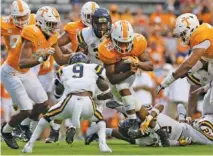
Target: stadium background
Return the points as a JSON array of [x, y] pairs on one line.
[[152, 18]]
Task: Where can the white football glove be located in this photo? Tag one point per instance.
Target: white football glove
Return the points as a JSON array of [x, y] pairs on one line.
[[165, 83]]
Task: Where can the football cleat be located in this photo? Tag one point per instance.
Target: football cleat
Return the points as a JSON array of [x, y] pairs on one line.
[[70, 135], [17, 133], [113, 104], [28, 148], [9, 139], [27, 132], [103, 147], [54, 135], [90, 138]]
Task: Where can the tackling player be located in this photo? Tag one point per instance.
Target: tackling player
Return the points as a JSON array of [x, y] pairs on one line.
[[69, 36], [78, 82], [199, 38]]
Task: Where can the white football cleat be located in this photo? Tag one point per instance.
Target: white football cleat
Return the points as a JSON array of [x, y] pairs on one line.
[[28, 148], [103, 147]]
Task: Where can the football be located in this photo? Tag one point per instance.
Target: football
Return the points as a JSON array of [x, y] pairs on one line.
[[121, 67]]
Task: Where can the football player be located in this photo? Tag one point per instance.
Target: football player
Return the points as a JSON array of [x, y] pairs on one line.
[[205, 126], [71, 29], [78, 81], [125, 46], [37, 42], [180, 134], [69, 36], [11, 28], [199, 38]]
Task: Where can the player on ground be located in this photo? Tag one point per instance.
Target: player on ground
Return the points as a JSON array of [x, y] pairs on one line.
[[180, 134], [124, 46], [78, 81], [199, 38]]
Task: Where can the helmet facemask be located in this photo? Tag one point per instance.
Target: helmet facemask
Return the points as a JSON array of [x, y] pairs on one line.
[[122, 47], [21, 21], [50, 28], [87, 19], [101, 26]]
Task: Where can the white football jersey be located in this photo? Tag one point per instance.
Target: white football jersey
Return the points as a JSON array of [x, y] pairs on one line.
[[173, 128], [205, 126], [88, 36], [80, 77]]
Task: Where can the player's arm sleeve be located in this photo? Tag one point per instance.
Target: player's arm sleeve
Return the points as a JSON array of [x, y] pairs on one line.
[[81, 41], [59, 87], [203, 45], [100, 71]]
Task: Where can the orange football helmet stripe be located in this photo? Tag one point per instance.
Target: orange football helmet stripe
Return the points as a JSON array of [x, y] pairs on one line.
[[55, 13], [125, 29], [20, 6]]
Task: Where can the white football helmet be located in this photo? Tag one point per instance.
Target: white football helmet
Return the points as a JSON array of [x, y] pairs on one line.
[[19, 9], [48, 19], [185, 26], [87, 11], [122, 36], [204, 125]]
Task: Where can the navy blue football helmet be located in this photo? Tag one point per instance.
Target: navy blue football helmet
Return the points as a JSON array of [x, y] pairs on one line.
[[127, 124], [78, 57], [101, 22]]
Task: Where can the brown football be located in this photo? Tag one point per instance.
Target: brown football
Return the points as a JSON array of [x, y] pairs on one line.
[[121, 67]]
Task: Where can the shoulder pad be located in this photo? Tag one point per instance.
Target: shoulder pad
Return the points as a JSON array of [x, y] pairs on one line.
[[30, 32], [139, 45], [106, 52]]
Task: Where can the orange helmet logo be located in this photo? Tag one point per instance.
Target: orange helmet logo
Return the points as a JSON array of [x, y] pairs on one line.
[[186, 21]]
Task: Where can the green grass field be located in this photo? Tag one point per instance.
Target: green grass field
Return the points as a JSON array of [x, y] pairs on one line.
[[118, 147]]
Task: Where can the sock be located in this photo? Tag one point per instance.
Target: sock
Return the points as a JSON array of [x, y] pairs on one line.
[[38, 130], [157, 127], [132, 116], [7, 128], [92, 129], [109, 131], [102, 132], [26, 122], [33, 125]]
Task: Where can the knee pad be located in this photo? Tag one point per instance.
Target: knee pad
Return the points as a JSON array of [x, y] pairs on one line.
[[129, 102]]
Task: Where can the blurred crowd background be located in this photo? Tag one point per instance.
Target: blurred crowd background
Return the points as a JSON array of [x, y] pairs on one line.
[[154, 19]]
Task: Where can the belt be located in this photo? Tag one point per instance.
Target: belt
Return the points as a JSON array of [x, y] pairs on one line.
[[86, 93]]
